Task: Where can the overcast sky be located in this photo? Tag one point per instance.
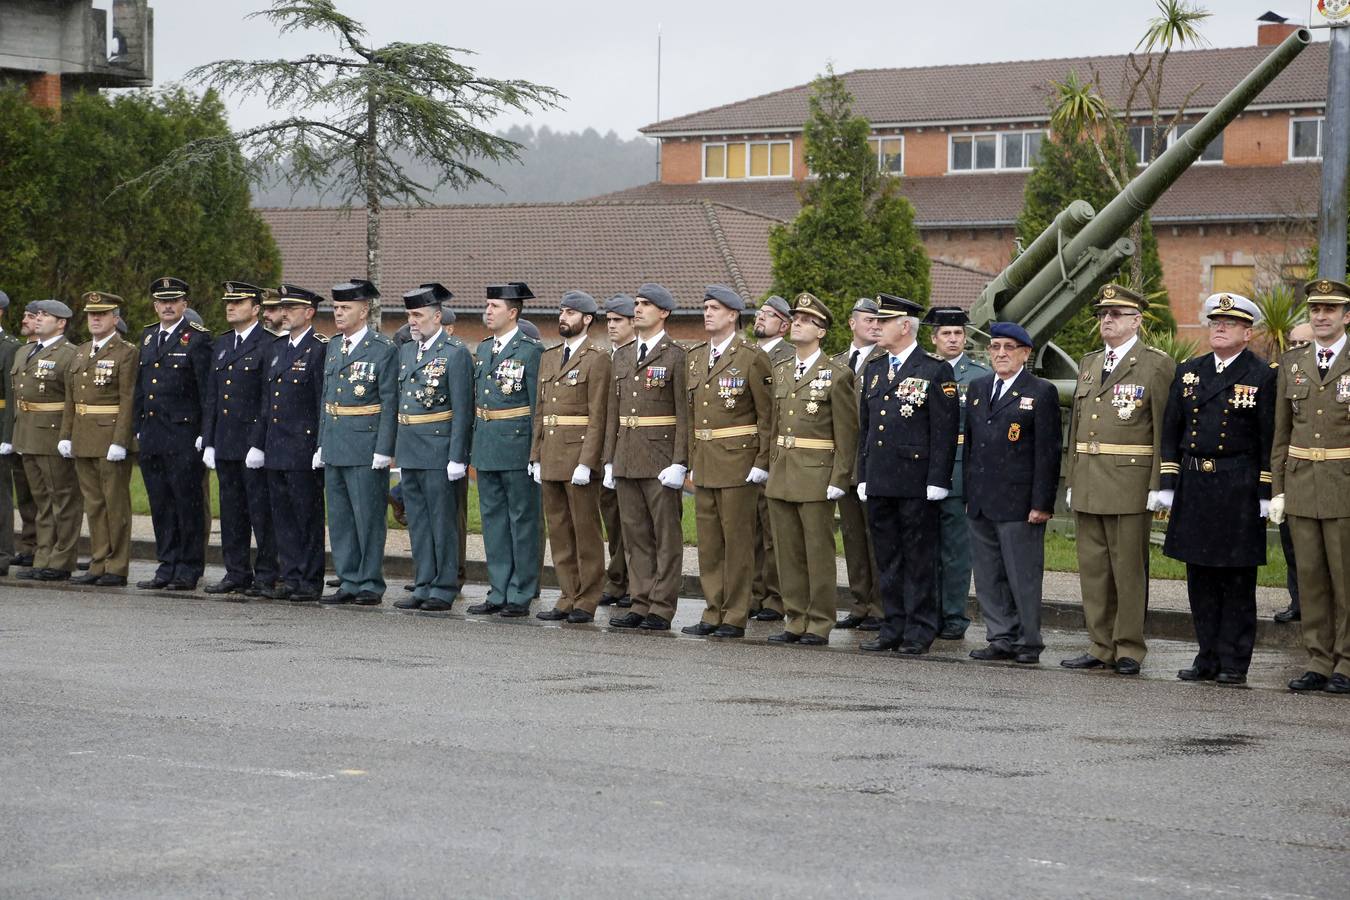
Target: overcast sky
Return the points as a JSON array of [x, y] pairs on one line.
[[602, 53]]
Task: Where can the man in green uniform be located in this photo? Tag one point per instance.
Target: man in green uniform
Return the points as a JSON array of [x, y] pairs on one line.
[[10, 465], [461, 485], [619, 325], [773, 322]]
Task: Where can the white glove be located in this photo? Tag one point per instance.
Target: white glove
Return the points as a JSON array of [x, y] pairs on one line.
[[208, 456], [455, 471], [199, 443], [533, 471], [1165, 499], [756, 476], [1068, 498], [581, 475], [1152, 504], [63, 447], [254, 459], [1265, 509], [317, 461], [672, 476], [608, 481], [380, 461], [833, 493], [117, 453], [1277, 509], [937, 493], [862, 492], [6, 449]]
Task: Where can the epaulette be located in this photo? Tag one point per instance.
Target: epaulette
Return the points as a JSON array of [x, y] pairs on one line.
[[202, 328], [1274, 365], [693, 347], [320, 338], [1156, 350], [528, 339], [932, 355], [557, 346], [270, 331], [380, 337]]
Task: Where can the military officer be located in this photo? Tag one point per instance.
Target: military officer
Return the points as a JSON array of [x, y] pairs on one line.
[[953, 574], [907, 425], [1216, 479], [175, 360], [730, 403], [461, 486], [435, 425], [569, 436], [773, 322], [646, 456], [1012, 449], [1312, 484], [619, 326], [285, 440], [863, 583], [357, 427], [11, 466], [1112, 475], [234, 398], [1299, 336], [96, 430], [23, 495], [506, 377], [815, 428]]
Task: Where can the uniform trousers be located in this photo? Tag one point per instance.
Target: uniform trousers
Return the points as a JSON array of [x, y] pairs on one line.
[[654, 543], [56, 494], [357, 497], [764, 591], [106, 489], [462, 523], [1223, 610], [245, 514], [173, 484], [804, 544], [723, 516], [954, 565], [431, 502], [508, 501], [1009, 560], [1290, 563], [576, 539], [14, 492], [297, 523], [1113, 572], [1324, 591], [616, 572], [859, 559], [902, 536]]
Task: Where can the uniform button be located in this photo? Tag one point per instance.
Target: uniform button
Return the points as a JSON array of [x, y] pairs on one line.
[[1099, 399], [550, 431], [227, 396], [705, 421], [883, 412], [1094, 415], [276, 394], [1223, 434], [878, 443], [1319, 412], [156, 365], [705, 402], [227, 381], [1092, 434], [154, 381], [152, 396], [1192, 434], [1221, 446], [1192, 446], [881, 428], [1317, 435]]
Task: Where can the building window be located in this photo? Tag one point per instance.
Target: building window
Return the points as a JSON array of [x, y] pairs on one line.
[[1003, 150], [1232, 279], [1213, 152], [1141, 141], [890, 153], [747, 159], [1305, 138]]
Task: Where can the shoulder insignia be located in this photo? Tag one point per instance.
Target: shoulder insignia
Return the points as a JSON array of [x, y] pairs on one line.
[[201, 328], [269, 331], [557, 347], [693, 347], [1156, 350], [320, 338], [934, 356], [380, 338], [529, 340], [1274, 365]]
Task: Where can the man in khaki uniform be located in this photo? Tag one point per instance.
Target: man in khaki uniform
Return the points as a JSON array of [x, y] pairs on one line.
[[863, 583], [10, 465], [619, 326], [39, 375], [773, 322], [646, 449], [1112, 474], [729, 407], [96, 433], [1310, 478], [569, 435], [815, 426]]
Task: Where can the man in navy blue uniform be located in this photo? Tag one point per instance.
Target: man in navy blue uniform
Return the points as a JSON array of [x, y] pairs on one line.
[[233, 400], [1012, 446], [167, 406], [1216, 478], [907, 423], [285, 440]]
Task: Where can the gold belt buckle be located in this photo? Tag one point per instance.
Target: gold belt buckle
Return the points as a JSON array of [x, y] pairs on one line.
[[1094, 448], [550, 421], [1206, 465], [703, 434], [789, 441], [1318, 454], [629, 421]]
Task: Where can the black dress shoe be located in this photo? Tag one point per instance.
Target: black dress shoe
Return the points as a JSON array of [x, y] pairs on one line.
[[849, 621], [1028, 657], [729, 631], [627, 620], [515, 612], [813, 640], [785, 637], [579, 617], [871, 623], [337, 598], [991, 653], [410, 587], [552, 615], [107, 580], [1086, 661], [768, 615], [912, 648], [700, 629], [154, 584], [624, 602], [1290, 613], [408, 603], [485, 609], [53, 575], [1337, 684], [254, 590], [1231, 678], [29, 574], [334, 582], [225, 587], [305, 595], [23, 559], [952, 633], [181, 586], [370, 598], [1194, 673], [1127, 666], [653, 622], [278, 592], [879, 644], [86, 578], [82, 566], [1308, 681], [609, 599], [434, 605]]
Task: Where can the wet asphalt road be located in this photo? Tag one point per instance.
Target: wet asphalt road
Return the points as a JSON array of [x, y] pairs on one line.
[[154, 746]]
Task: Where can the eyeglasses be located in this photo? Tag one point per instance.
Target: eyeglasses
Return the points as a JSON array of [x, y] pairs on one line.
[[1116, 313]]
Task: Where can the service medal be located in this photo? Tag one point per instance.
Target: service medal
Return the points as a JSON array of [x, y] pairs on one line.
[[812, 407]]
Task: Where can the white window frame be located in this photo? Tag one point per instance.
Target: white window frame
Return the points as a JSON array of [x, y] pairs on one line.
[[1172, 139], [1321, 134], [703, 160], [879, 138], [999, 138]]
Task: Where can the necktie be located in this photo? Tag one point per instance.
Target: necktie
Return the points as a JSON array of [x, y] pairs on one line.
[[1108, 364], [163, 338], [895, 364], [713, 357], [853, 359], [93, 350], [496, 347], [801, 370], [567, 354], [998, 389], [1218, 365], [642, 351], [238, 339], [1324, 359], [37, 345], [346, 346]]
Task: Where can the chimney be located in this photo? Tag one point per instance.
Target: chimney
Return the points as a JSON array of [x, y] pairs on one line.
[[1273, 29]]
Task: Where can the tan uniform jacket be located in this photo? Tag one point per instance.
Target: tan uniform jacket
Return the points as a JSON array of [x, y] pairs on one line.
[[1107, 479], [652, 390], [1312, 413], [40, 396], [99, 397], [579, 390], [822, 406], [842, 359], [733, 399]]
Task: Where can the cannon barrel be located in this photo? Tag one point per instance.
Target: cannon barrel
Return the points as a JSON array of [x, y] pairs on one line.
[[1031, 260]]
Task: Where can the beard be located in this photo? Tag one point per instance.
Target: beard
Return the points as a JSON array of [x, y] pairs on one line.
[[759, 332], [565, 330]]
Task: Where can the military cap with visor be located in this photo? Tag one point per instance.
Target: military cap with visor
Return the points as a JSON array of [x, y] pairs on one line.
[[890, 306], [293, 295], [101, 301], [354, 291], [1324, 290], [234, 291], [945, 317], [511, 290], [1115, 296], [811, 305], [1230, 306], [168, 288]]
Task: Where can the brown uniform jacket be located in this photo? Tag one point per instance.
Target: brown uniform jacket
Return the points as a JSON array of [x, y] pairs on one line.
[[1312, 413], [99, 398], [729, 409], [578, 390], [654, 388], [1105, 480], [842, 359], [822, 406], [39, 387]]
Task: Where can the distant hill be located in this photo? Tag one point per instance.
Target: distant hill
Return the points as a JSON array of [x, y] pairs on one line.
[[554, 167]]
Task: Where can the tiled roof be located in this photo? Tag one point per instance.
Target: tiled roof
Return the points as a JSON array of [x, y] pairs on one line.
[[602, 248], [955, 285], [1004, 91]]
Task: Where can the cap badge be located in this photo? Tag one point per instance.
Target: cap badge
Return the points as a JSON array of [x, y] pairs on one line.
[[1108, 293], [1324, 286], [1225, 303]]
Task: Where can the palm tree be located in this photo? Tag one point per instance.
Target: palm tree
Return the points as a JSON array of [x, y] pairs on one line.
[[1280, 312]]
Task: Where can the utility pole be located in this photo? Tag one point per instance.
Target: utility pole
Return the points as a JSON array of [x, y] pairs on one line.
[[658, 96], [1331, 262]]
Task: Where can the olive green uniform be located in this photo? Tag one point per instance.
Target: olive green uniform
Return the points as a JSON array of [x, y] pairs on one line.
[[764, 592], [859, 558], [39, 376], [13, 482]]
